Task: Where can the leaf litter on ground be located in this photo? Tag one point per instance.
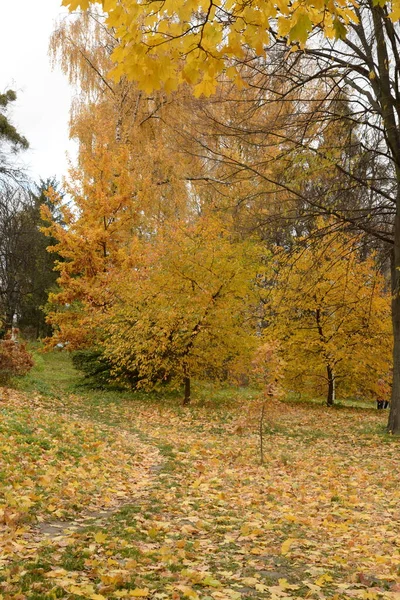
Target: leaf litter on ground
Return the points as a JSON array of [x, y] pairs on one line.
[[319, 520]]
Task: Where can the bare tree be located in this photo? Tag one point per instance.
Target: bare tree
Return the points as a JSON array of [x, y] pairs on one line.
[[15, 250]]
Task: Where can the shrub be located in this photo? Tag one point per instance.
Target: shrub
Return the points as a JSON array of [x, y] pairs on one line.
[[93, 364], [99, 370], [15, 360]]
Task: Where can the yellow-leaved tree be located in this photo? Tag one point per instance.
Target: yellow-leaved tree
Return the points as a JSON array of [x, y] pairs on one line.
[[330, 310], [126, 183], [122, 191], [187, 310]]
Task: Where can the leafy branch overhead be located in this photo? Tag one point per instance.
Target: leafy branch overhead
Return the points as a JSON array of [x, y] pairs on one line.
[[165, 43]]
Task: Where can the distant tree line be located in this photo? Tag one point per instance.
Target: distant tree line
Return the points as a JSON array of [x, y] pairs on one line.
[[26, 267]]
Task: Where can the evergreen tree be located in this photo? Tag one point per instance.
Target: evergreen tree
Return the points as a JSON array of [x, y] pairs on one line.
[[40, 276], [11, 141], [8, 132]]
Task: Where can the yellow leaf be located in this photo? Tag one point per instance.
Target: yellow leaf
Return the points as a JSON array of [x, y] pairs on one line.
[[74, 589], [257, 551], [250, 580], [395, 14], [285, 585], [100, 537], [56, 573], [287, 544], [209, 580], [205, 88], [139, 593], [231, 594], [323, 579], [369, 595], [75, 4], [188, 592], [152, 532]]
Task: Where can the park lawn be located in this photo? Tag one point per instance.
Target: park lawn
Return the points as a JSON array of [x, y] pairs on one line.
[[175, 503]]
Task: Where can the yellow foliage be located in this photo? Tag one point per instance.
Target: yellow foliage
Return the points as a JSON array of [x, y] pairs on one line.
[[217, 32], [186, 311], [330, 309]]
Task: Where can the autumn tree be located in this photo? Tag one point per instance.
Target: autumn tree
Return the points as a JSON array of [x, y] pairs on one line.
[[123, 191], [124, 186], [331, 310], [188, 309]]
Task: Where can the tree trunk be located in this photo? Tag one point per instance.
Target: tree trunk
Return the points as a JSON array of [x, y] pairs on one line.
[[9, 319], [261, 432], [389, 112], [331, 386], [186, 399], [394, 414]]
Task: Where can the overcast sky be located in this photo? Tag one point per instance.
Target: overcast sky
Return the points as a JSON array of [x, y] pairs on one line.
[[41, 111]]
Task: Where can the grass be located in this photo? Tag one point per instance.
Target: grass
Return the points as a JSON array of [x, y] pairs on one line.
[[54, 376]]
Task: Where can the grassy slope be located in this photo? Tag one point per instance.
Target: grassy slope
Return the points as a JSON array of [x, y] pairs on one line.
[[319, 520]]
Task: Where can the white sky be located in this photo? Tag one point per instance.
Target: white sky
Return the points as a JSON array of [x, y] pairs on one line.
[[41, 111]]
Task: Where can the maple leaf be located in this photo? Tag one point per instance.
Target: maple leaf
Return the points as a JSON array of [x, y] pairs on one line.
[[287, 544], [340, 29], [100, 537], [300, 31], [75, 4], [323, 579], [188, 592]]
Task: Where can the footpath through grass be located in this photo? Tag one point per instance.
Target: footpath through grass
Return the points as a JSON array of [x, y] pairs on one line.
[[115, 495]]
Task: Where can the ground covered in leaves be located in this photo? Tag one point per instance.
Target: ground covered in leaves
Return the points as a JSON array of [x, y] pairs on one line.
[[122, 498]]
